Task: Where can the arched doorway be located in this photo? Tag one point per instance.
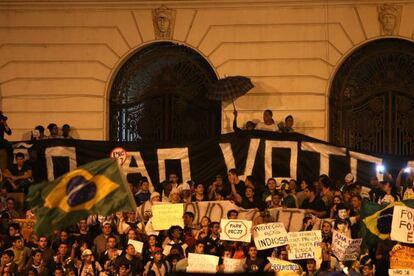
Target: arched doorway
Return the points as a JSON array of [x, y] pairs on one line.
[[372, 99], [158, 96]]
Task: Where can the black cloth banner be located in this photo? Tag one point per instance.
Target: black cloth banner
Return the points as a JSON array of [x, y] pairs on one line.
[[258, 153]]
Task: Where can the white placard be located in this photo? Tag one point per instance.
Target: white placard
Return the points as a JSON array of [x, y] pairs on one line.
[[233, 265], [402, 228], [304, 245], [236, 230], [202, 263], [344, 248], [269, 235], [137, 245]]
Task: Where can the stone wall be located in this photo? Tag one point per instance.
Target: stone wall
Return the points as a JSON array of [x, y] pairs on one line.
[[58, 58]]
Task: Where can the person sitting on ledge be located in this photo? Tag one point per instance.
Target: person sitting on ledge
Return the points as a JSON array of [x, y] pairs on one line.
[[249, 124], [268, 123]]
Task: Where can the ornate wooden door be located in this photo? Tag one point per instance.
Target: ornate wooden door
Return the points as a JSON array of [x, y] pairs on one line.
[[372, 99], [158, 96]]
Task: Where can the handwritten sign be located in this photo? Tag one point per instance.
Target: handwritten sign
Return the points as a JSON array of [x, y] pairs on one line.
[[402, 257], [166, 215], [284, 268], [401, 272], [402, 228], [137, 245], [202, 263], [233, 265], [236, 230], [344, 248], [304, 245], [269, 235]]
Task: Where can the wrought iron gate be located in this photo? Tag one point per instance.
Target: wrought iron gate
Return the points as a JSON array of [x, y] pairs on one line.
[[158, 96], [372, 99]]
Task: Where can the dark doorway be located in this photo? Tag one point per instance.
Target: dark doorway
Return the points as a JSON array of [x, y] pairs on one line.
[[372, 99], [158, 96]]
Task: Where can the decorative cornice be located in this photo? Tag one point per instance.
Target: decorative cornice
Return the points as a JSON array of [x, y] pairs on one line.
[[139, 4]]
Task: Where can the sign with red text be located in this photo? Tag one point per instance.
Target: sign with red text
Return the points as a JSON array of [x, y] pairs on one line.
[[304, 245], [236, 230], [269, 235], [120, 154], [402, 228]]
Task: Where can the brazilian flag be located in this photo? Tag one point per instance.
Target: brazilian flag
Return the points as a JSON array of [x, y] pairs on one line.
[[377, 220], [95, 188]]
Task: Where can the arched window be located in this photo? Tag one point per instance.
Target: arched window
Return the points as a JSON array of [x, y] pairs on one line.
[[372, 98], [158, 96]]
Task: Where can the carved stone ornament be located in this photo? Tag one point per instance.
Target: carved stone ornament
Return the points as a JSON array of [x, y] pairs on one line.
[[163, 20], [389, 17]]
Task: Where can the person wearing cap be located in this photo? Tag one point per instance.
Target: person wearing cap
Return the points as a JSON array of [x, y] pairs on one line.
[[89, 266], [175, 196], [185, 191], [99, 243]]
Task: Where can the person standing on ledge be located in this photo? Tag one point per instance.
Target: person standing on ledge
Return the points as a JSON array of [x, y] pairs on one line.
[[268, 123]]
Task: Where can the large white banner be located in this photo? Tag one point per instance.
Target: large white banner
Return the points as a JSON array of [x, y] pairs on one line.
[[402, 228], [269, 235]]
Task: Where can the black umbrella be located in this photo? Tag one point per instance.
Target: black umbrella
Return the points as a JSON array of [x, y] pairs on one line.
[[229, 88]]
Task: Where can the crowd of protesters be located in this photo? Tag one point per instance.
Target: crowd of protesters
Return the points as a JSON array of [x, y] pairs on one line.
[[98, 245]]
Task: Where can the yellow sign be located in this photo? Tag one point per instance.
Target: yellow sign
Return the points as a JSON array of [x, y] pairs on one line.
[[166, 215]]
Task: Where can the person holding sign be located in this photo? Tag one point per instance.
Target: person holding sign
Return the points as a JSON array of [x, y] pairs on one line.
[[253, 262]]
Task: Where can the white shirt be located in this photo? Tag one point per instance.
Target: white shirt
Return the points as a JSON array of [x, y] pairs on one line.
[[263, 126]]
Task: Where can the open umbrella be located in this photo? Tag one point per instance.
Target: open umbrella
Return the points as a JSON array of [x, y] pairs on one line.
[[229, 88]]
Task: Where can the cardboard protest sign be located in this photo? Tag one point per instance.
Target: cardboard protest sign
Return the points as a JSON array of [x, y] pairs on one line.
[[269, 235], [344, 248], [402, 257], [284, 268], [233, 265], [401, 272], [236, 230], [304, 245], [166, 215], [202, 263], [402, 228], [137, 245]]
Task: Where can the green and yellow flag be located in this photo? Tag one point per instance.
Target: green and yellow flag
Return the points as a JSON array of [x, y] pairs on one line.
[[377, 220], [95, 188]]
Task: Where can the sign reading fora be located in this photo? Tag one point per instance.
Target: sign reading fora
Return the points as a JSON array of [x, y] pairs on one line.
[[236, 230], [402, 228]]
